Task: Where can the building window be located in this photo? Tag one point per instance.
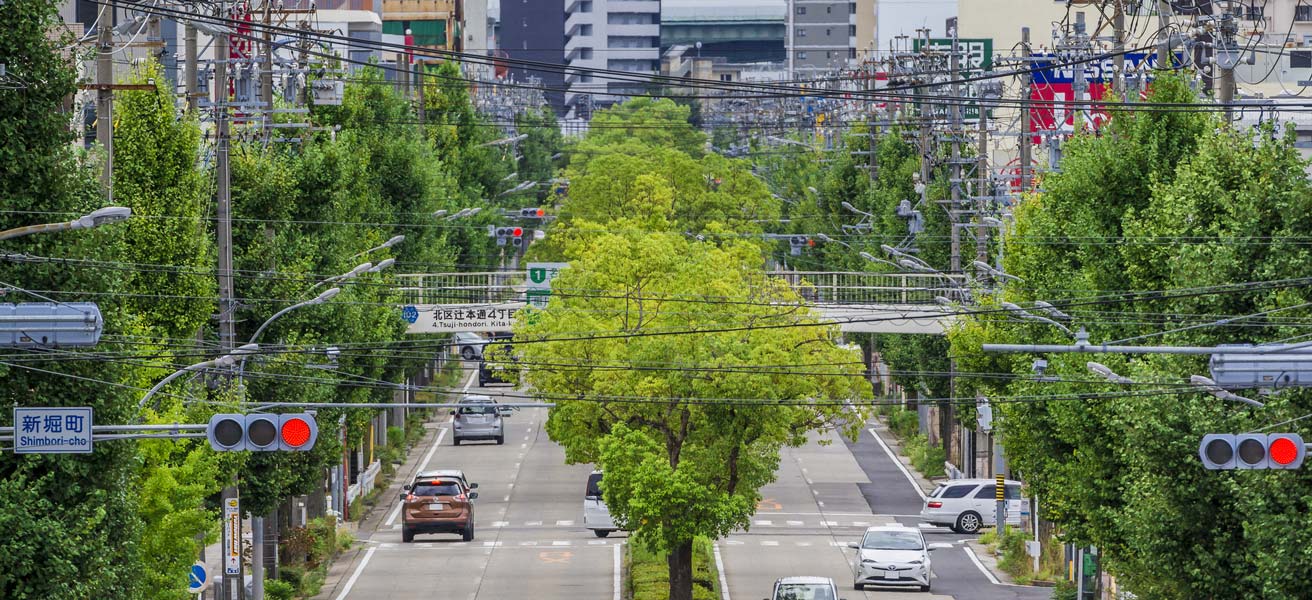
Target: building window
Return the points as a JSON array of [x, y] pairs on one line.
[[801, 32], [829, 54], [523, 22], [726, 77], [851, 53], [1303, 13], [585, 6], [851, 31], [829, 10], [801, 55], [801, 10], [1300, 59], [585, 29], [585, 53], [851, 8], [829, 31]]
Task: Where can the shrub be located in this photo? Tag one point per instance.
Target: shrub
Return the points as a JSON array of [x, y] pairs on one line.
[[275, 589], [1065, 590], [925, 458], [396, 437], [904, 423], [292, 574]]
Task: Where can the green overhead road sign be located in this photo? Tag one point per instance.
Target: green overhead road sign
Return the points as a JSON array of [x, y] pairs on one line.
[[977, 59], [538, 287]]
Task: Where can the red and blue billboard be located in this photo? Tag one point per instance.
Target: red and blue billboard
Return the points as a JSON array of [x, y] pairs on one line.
[[1053, 89]]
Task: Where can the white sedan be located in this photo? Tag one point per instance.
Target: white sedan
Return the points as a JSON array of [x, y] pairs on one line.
[[893, 555]]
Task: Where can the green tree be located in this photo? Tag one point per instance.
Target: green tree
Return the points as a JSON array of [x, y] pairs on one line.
[[685, 449], [70, 521]]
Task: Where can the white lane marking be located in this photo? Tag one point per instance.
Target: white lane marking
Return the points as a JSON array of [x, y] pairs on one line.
[[500, 523], [763, 523], [468, 383], [391, 518], [615, 575], [350, 583], [506, 498], [396, 527], [733, 542], [831, 524], [560, 543], [495, 544], [533, 523], [803, 544], [425, 545], [993, 580], [387, 545], [795, 523], [719, 566], [597, 542], [564, 523], [860, 523], [809, 482], [769, 543], [528, 543], [524, 445], [820, 502], [896, 461], [511, 485]]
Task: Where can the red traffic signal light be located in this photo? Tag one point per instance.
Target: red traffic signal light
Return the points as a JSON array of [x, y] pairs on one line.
[[262, 432], [1225, 451], [518, 231]]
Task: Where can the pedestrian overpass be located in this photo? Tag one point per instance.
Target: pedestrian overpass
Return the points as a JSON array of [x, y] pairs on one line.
[[858, 302]]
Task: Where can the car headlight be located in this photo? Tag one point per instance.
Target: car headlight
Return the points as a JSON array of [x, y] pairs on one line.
[[916, 562], [867, 562]]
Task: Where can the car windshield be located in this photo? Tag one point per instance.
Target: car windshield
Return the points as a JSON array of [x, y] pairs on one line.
[[594, 486], [478, 409], [805, 591], [892, 540], [436, 488]]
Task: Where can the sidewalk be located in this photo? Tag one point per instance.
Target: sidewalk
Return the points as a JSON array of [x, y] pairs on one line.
[[339, 572]]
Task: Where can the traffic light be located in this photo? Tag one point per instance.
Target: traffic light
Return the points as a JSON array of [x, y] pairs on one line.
[[517, 238], [262, 432], [1225, 451], [502, 233], [797, 242], [532, 213]]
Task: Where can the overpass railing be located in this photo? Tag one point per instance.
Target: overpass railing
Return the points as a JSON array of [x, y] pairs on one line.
[[823, 287]]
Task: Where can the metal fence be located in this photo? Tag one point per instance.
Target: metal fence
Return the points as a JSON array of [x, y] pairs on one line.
[[824, 287]]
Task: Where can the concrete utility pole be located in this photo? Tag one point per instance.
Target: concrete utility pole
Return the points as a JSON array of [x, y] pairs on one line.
[[1026, 140], [266, 75], [954, 62], [1164, 34], [419, 84], [105, 94], [1118, 46], [193, 78], [1227, 57]]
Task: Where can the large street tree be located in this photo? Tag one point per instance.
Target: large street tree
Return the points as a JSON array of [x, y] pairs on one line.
[[681, 370]]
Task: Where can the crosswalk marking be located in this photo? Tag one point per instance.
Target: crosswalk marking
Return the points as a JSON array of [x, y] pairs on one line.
[[796, 523], [560, 543], [763, 523], [564, 523], [769, 543]]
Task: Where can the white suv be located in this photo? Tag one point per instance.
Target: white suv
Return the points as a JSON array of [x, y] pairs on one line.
[[967, 505]]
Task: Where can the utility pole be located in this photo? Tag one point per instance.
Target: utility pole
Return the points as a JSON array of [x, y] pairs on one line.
[[105, 94], [1118, 47], [1227, 57], [233, 588], [419, 83], [1164, 34], [193, 78], [1026, 140], [266, 78]]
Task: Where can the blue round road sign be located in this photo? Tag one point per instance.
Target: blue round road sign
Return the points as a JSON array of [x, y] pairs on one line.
[[197, 577], [410, 314]]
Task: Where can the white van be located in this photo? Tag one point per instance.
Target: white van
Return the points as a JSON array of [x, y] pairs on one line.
[[595, 514]]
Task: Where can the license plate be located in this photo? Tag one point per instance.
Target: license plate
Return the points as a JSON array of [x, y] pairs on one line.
[[436, 506], [890, 574]]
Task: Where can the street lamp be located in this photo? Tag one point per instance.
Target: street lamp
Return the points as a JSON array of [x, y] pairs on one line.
[[1028, 316], [870, 257], [394, 240], [439, 213], [996, 273], [828, 240], [856, 210], [510, 140], [96, 218], [224, 361], [1052, 310], [352, 274], [900, 254], [320, 299], [1210, 386], [464, 212], [1110, 375], [382, 265]]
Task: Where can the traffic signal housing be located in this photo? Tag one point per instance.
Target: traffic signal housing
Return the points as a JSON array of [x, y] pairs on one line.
[[296, 432], [532, 213], [797, 242], [1226, 451], [517, 236]]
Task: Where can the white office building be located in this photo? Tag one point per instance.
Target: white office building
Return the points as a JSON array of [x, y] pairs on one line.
[[615, 35]]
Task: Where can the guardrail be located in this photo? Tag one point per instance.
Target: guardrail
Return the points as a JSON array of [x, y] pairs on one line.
[[823, 287]]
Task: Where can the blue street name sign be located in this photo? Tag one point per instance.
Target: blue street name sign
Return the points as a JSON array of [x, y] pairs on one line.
[[52, 430]]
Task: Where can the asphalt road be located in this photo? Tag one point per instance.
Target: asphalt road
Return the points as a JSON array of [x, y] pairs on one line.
[[528, 540]]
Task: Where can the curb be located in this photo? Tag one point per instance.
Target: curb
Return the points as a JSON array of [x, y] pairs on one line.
[[927, 485]]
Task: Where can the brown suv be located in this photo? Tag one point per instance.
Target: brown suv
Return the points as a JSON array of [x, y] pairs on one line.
[[437, 506]]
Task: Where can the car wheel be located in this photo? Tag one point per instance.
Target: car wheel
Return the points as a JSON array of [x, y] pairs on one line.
[[501, 439], [859, 587], [924, 588], [455, 441], [601, 532], [407, 536], [969, 522], [468, 534], [467, 353]]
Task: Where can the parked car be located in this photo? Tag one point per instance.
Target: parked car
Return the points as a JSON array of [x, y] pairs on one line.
[[469, 345], [596, 515], [499, 373], [437, 505], [476, 418], [804, 588], [893, 555], [967, 505]]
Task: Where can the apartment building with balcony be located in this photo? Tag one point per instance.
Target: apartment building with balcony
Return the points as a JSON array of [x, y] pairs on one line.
[[614, 35]]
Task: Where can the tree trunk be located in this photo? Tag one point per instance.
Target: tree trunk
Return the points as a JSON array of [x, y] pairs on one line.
[[680, 561]]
